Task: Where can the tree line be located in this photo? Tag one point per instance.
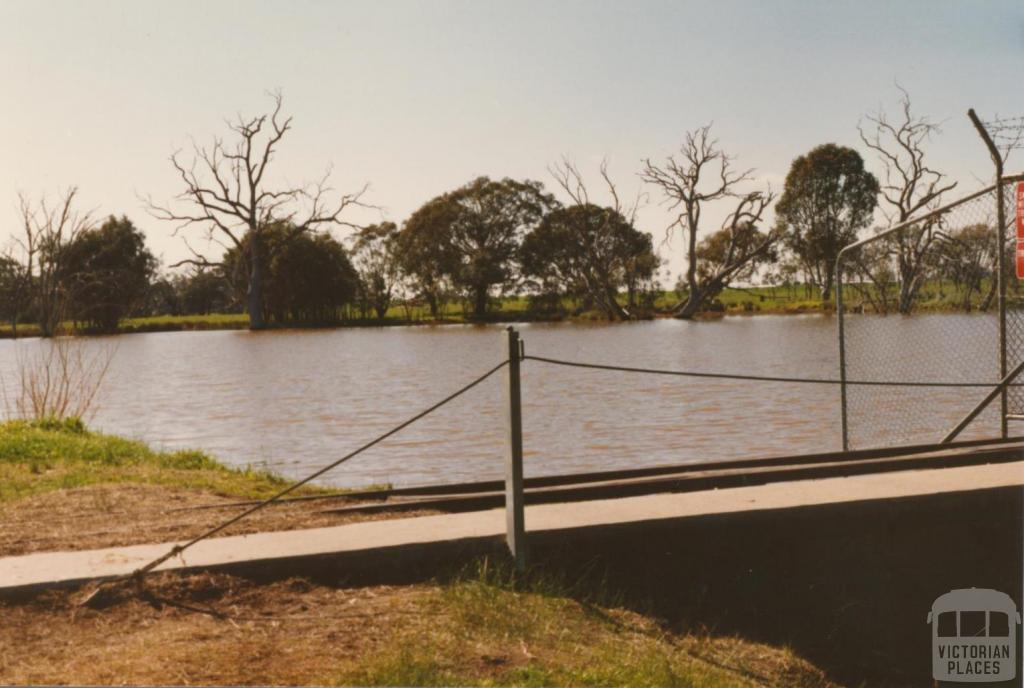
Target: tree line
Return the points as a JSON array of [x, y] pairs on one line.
[[281, 264]]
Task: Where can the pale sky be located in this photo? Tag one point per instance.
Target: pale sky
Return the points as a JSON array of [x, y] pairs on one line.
[[417, 98]]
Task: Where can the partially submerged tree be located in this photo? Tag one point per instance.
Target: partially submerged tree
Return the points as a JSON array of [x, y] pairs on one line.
[[828, 198], [909, 188], [733, 254], [228, 195], [703, 174], [471, 235], [967, 258], [588, 251], [309, 279], [373, 253]]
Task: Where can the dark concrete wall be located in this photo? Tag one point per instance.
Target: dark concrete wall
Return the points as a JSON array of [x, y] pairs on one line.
[[848, 586]]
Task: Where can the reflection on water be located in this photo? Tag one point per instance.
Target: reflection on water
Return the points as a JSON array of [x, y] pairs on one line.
[[296, 400]]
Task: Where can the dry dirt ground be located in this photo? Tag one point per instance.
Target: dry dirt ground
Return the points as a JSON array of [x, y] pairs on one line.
[[127, 514], [219, 629], [214, 629]]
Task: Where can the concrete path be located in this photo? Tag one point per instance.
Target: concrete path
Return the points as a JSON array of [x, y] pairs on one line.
[[57, 568]]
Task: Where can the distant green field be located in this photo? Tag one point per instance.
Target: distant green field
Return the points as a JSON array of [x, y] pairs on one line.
[[933, 297]]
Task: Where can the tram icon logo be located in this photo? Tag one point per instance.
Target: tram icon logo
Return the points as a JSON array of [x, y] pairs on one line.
[[974, 636]]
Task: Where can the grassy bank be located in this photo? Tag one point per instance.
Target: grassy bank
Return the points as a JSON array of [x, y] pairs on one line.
[[476, 629], [541, 631], [40, 457], [64, 487]]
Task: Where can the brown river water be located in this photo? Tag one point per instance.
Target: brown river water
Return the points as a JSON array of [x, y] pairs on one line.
[[293, 401]]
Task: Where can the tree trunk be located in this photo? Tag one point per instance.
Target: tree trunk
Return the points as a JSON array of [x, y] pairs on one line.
[[611, 306], [47, 326], [826, 287], [480, 301], [910, 282], [908, 292], [691, 267], [254, 295], [990, 297], [691, 306]]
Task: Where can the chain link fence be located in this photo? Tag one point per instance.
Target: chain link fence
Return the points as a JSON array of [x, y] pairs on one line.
[[1014, 311], [920, 303]]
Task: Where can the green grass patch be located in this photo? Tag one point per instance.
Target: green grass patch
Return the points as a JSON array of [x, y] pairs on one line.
[[492, 628], [43, 456]]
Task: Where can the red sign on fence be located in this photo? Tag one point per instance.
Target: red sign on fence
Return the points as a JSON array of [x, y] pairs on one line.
[[1020, 230]]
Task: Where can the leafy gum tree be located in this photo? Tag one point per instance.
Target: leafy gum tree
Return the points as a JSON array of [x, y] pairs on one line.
[[109, 270], [588, 251], [373, 252], [828, 199], [472, 235]]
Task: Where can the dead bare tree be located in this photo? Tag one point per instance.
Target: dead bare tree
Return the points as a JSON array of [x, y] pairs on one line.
[[704, 174], [227, 195], [48, 230], [909, 187]]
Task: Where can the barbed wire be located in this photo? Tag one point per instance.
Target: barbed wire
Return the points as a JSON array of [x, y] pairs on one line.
[[1007, 133]]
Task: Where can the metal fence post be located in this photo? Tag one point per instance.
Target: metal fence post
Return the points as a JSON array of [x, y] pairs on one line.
[[1001, 272], [514, 511], [1002, 277], [840, 315]]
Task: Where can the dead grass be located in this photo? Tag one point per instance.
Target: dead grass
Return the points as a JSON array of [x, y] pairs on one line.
[[468, 631], [63, 487], [119, 514]]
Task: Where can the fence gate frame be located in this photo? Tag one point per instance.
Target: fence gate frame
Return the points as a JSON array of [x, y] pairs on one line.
[[1002, 276]]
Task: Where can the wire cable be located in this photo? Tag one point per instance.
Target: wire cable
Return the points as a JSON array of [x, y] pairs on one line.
[[755, 378], [178, 549]]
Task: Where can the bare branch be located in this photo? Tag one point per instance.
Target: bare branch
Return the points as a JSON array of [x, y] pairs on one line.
[[224, 194], [702, 173]]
